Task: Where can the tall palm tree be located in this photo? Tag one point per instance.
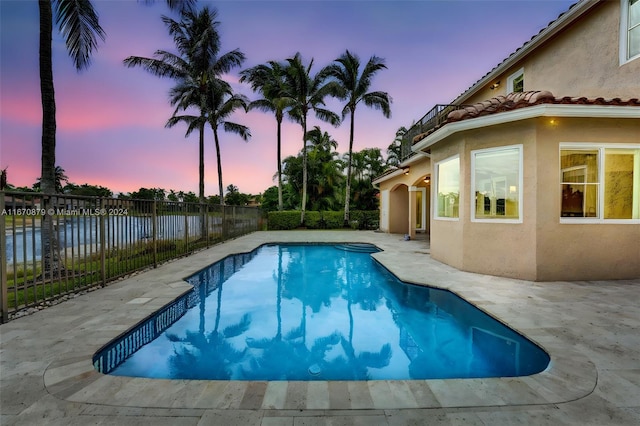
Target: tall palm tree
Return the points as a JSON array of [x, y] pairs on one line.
[[353, 86], [78, 23], [220, 103], [308, 93], [269, 80], [223, 103], [197, 42]]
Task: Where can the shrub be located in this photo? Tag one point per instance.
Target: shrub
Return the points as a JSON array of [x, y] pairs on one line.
[[364, 219], [333, 220], [313, 220], [284, 220]]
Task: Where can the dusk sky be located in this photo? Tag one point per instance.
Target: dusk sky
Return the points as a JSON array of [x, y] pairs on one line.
[[111, 118]]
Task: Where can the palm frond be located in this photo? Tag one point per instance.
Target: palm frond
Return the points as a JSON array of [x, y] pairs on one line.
[[239, 129], [80, 28]]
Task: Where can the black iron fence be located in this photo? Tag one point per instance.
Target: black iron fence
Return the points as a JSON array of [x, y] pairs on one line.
[[55, 245]]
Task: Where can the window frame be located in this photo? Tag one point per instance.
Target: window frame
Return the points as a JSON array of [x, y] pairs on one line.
[[601, 148], [512, 78], [625, 5], [436, 185], [472, 205]]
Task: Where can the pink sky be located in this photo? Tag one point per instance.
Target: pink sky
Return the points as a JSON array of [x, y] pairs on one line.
[[111, 118]]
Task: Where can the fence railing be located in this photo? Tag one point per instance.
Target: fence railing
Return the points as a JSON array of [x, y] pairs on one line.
[[55, 245], [435, 117]]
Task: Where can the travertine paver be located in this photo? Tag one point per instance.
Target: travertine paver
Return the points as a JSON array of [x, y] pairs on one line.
[[590, 329]]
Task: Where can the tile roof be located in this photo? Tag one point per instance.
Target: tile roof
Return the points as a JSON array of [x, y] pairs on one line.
[[514, 101]]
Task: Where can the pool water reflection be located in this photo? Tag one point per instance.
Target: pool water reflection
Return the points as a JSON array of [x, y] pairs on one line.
[[317, 312]]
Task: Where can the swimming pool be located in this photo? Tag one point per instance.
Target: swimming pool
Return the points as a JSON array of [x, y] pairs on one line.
[[317, 312]]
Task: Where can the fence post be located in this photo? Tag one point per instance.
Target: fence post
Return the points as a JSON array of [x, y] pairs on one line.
[[185, 206], [154, 234], [206, 223], [224, 222], [3, 265], [103, 243]]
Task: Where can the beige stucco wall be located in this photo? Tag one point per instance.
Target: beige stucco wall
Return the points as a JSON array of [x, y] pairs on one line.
[[540, 248], [571, 251], [396, 212], [446, 234], [582, 60]]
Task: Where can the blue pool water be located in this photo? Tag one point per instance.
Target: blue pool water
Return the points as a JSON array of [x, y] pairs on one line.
[[317, 312]]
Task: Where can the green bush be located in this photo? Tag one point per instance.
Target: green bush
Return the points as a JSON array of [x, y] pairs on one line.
[[364, 219], [333, 220], [284, 220], [359, 219], [313, 220]]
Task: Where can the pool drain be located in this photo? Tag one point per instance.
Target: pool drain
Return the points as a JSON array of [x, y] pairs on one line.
[[314, 370]]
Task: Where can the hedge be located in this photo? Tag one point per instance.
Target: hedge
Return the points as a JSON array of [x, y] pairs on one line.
[[283, 220], [359, 219]]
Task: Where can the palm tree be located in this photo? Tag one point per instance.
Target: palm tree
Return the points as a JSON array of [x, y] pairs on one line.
[[220, 102], [353, 86], [394, 151], [308, 93], [325, 171], [269, 80], [78, 23], [198, 44]]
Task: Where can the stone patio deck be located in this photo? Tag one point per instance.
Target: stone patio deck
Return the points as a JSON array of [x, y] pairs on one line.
[[590, 329]]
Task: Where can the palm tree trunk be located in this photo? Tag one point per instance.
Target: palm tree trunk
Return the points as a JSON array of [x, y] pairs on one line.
[[201, 163], [303, 206], [347, 196], [47, 179], [50, 254], [203, 223], [280, 203], [215, 137]]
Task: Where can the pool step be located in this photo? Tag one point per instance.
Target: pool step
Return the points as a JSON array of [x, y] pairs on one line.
[[357, 248]]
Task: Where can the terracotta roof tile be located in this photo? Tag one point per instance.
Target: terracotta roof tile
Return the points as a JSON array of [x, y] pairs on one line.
[[514, 101]]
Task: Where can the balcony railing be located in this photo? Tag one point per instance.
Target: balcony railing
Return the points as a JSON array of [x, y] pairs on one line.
[[434, 118]]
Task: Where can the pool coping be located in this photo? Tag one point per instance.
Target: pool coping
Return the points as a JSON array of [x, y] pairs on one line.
[[570, 375]]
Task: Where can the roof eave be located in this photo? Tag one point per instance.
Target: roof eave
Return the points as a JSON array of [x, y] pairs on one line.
[[395, 173]]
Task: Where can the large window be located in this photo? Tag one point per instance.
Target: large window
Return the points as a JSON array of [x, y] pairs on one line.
[[496, 182], [600, 183], [448, 188], [629, 30]]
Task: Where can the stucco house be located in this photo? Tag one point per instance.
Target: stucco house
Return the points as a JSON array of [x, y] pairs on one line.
[[534, 171]]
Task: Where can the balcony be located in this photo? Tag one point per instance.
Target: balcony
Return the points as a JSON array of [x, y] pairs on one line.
[[431, 120]]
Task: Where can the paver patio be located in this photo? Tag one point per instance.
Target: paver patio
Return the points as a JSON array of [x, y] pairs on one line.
[[590, 329]]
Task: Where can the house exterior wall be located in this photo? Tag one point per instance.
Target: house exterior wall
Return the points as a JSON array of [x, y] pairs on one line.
[[394, 207], [540, 248], [574, 251], [502, 249], [582, 60], [446, 236]]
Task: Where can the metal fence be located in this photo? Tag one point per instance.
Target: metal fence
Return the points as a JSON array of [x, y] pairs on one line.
[[55, 245]]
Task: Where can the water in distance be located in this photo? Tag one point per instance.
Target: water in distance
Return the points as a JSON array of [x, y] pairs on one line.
[[317, 312]]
